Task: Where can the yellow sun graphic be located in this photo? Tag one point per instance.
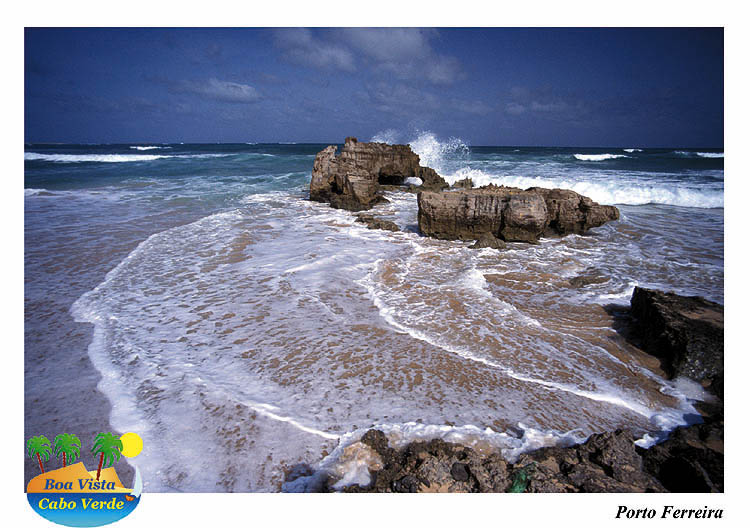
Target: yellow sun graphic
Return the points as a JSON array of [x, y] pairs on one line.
[[132, 444]]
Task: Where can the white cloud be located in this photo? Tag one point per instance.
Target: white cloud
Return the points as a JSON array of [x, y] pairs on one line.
[[406, 52], [515, 108], [302, 47], [226, 91], [548, 107]]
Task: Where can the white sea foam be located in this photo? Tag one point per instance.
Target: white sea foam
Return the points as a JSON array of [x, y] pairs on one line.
[[390, 136], [33, 192], [598, 157], [434, 153], [351, 462], [631, 150], [148, 147], [110, 158], [607, 191], [700, 154]]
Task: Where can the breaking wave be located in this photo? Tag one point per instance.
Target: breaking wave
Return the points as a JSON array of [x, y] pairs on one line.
[[700, 154], [108, 158], [597, 157], [149, 147], [625, 192]]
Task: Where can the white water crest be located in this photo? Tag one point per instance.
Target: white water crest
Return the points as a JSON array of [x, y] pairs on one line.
[[635, 190], [700, 154], [390, 136], [434, 153], [148, 147], [110, 158], [598, 157]]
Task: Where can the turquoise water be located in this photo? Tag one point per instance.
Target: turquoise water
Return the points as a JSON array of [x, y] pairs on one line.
[[229, 308]]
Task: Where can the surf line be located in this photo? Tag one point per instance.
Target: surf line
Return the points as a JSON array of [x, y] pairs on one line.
[[265, 410], [385, 313]]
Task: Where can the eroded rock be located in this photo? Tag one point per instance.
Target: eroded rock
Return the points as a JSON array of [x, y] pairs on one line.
[[512, 214], [352, 179]]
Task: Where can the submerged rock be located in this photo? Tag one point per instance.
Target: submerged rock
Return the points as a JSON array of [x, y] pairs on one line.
[[512, 214], [686, 333], [488, 240], [352, 179], [377, 223]]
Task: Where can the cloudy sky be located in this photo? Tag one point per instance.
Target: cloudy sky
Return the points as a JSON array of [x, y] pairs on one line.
[[556, 87]]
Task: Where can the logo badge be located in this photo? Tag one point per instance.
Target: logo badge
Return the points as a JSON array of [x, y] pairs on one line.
[[72, 495]]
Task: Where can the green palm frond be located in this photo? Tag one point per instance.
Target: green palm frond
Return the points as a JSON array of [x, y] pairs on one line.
[[68, 444], [109, 445], [39, 445]]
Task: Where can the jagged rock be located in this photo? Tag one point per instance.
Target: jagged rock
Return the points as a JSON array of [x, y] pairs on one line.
[[569, 212], [377, 223], [466, 183], [686, 333], [488, 240], [431, 180], [512, 214], [352, 179], [691, 460]]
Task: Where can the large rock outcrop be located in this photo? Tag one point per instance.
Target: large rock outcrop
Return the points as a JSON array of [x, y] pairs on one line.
[[352, 179], [686, 333], [511, 214]]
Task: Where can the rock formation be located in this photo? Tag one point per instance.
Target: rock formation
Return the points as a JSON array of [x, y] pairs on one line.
[[352, 179], [691, 460], [466, 183], [512, 214], [686, 333]]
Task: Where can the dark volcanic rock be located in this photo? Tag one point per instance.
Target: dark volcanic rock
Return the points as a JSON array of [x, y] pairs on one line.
[[686, 333], [606, 462], [352, 179], [488, 240], [512, 214], [691, 460], [377, 223]]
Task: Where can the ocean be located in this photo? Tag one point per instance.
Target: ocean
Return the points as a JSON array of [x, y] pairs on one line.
[[241, 329]]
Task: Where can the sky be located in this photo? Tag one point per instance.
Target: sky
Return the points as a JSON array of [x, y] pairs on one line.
[[626, 87]]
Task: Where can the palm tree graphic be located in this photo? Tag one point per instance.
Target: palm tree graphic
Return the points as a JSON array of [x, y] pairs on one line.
[[69, 446], [108, 446], [39, 446]]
